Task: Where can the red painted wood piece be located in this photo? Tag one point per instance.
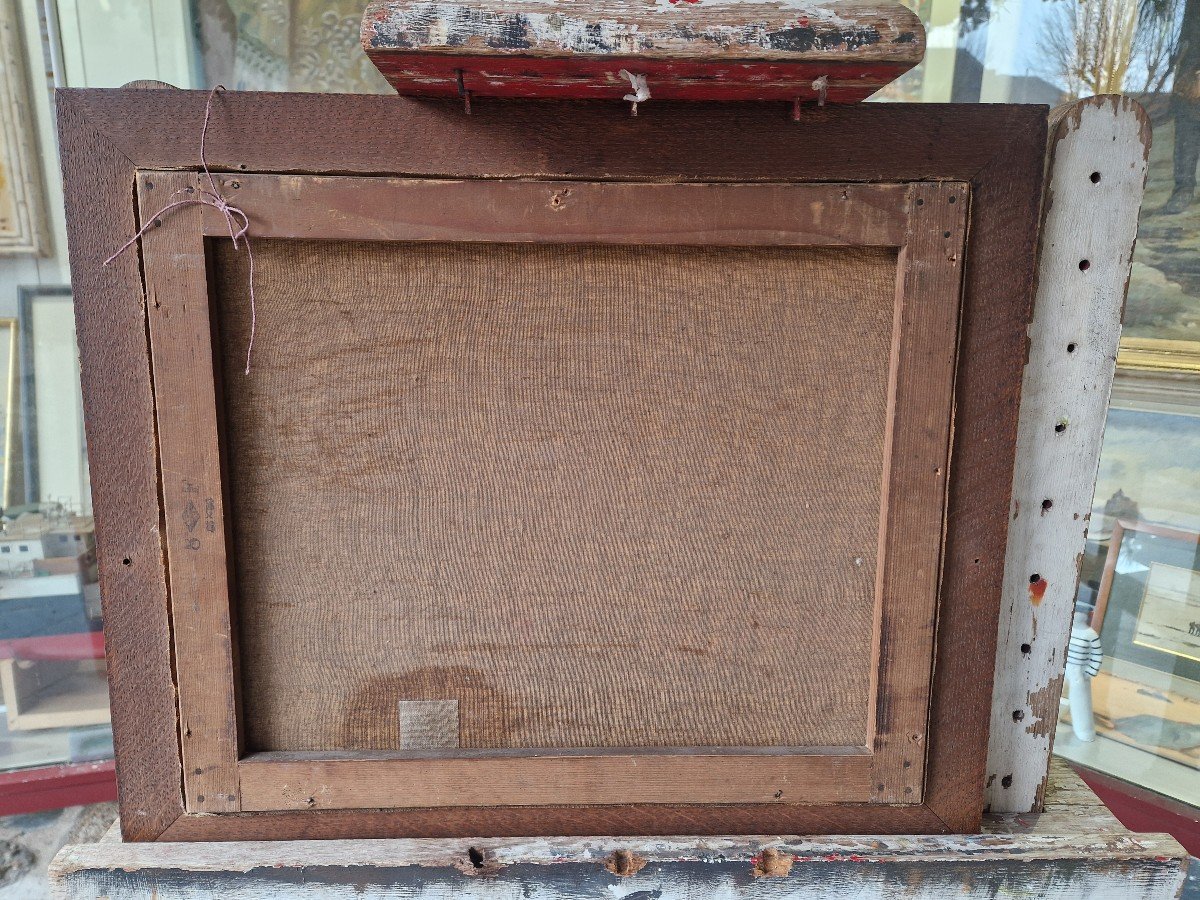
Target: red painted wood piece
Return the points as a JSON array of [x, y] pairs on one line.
[[1139, 809], [687, 49], [54, 787], [81, 645]]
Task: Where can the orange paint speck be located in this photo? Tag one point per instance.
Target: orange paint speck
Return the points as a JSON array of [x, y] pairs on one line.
[[1037, 590]]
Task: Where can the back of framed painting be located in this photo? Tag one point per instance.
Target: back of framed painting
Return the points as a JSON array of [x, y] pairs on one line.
[[567, 502]]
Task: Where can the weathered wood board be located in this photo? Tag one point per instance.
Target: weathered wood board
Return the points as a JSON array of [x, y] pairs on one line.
[[1075, 850], [1099, 149], [686, 49]]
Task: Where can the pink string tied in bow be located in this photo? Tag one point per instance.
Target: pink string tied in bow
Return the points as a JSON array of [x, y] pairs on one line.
[[235, 218]]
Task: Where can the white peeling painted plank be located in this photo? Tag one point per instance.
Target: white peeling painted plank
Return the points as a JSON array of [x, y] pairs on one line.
[[870, 30], [1063, 404]]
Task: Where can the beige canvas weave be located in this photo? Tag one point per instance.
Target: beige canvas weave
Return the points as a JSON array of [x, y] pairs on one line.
[[599, 496]]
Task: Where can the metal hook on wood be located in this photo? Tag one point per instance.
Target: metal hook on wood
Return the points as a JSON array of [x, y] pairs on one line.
[[821, 86], [463, 92]]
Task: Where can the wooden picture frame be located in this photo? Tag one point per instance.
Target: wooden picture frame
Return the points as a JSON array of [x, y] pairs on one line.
[[1121, 528], [945, 175], [1147, 614], [1159, 355]]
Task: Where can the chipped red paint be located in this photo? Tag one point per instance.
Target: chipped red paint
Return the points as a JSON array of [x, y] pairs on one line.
[[1037, 590], [567, 78]]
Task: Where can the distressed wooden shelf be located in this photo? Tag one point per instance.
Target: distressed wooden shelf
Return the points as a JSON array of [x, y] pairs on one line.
[[794, 50], [1074, 849]]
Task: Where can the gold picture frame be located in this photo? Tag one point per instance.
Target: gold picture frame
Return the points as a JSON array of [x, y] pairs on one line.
[[23, 227], [1170, 601], [1159, 355]]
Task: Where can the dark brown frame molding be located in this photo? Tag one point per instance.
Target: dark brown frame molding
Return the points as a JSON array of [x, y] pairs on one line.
[[110, 137]]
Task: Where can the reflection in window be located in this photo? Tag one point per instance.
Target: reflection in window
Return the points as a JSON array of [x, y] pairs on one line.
[[285, 45], [52, 675]]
